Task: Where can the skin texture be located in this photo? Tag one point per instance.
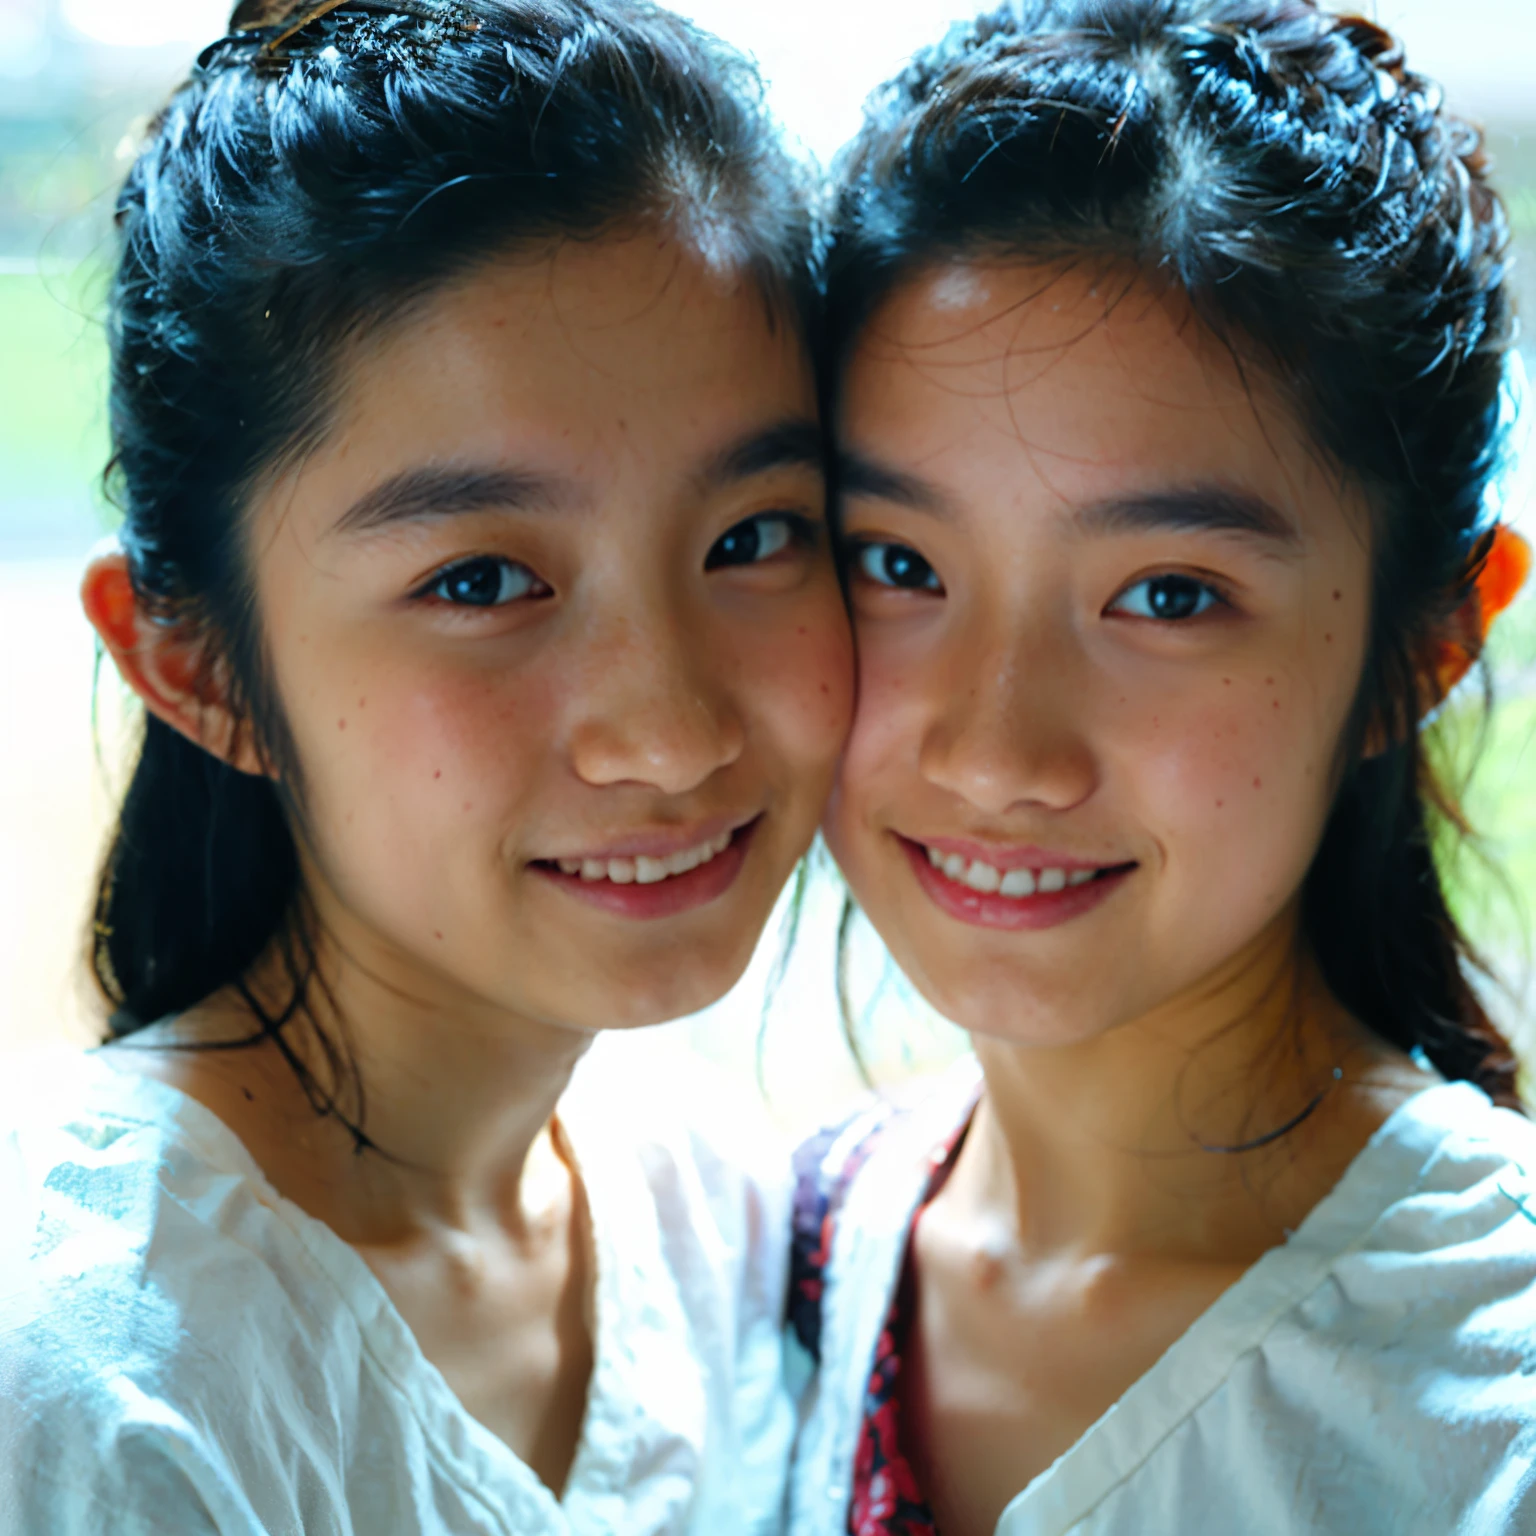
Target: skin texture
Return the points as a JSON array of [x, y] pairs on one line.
[[1009, 424], [636, 689]]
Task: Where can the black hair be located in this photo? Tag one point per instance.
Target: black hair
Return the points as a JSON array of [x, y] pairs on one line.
[[1333, 224], [306, 184]]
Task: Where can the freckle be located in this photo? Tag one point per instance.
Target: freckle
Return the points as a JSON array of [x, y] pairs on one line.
[[801, 630], [362, 703], [349, 818], [1269, 682], [1220, 803], [1327, 639], [341, 725], [1338, 597], [438, 774], [436, 934], [467, 805], [825, 688], [1258, 783], [1227, 681], [1156, 723], [1276, 704]]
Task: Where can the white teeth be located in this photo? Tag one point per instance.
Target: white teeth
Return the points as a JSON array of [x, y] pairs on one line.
[[644, 870], [982, 877], [987, 879]]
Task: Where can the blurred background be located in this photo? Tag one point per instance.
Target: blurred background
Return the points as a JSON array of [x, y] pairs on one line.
[[78, 78]]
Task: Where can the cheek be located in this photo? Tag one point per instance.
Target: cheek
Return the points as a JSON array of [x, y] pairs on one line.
[[402, 755], [798, 684], [1235, 788]]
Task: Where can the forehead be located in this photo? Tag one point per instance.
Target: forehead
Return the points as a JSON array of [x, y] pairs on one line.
[[1086, 381], [624, 353]]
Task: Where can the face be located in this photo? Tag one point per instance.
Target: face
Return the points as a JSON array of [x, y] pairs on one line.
[[557, 636], [1111, 613]]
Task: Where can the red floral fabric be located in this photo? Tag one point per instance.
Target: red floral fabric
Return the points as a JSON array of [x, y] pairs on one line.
[[887, 1499]]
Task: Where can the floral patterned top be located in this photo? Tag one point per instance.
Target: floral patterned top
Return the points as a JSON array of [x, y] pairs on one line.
[[887, 1499]]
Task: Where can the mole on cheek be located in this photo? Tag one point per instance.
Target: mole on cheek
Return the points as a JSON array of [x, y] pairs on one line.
[[438, 774], [1338, 597], [341, 725]]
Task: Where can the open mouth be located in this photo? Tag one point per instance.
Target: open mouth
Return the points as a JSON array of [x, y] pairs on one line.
[[641, 870], [651, 886], [1017, 884], [1042, 893]]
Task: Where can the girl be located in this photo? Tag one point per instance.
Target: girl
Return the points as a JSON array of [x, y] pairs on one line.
[[473, 578], [1171, 336]]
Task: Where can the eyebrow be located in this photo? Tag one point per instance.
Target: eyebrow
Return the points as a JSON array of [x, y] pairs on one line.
[[416, 494], [860, 476], [1197, 508], [1192, 509], [792, 443]]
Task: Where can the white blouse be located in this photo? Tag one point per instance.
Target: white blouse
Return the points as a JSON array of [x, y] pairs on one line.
[[182, 1350], [1373, 1376]]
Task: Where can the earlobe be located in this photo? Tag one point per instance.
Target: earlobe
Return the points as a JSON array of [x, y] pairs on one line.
[[164, 664], [1502, 570]]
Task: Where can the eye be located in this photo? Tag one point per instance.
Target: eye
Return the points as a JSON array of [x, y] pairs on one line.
[[1170, 598], [487, 581], [757, 539], [895, 565]]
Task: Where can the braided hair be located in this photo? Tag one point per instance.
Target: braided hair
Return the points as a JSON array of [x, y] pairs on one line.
[[1325, 214], [323, 168]]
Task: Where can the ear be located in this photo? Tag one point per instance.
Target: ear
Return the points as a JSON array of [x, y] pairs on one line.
[[1502, 571], [166, 664]]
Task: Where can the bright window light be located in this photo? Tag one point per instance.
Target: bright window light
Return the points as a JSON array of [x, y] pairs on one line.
[[147, 23]]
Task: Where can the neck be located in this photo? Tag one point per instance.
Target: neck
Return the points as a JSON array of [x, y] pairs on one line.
[[456, 1098], [1160, 1134]]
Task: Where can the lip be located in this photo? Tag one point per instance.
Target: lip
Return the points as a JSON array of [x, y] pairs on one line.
[[1017, 857], [659, 844], [669, 897], [1013, 914]]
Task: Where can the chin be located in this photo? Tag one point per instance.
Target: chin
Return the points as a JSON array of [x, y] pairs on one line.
[[1017, 1010]]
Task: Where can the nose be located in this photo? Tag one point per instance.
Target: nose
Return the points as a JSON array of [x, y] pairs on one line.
[[655, 706], [1009, 734]]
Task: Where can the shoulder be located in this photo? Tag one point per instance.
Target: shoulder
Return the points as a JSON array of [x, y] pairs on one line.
[[150, 1293], [1412, 1348], [1448, 1266]]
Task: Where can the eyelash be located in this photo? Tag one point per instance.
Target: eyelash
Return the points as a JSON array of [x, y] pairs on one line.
[[429, 589], [1218, 599], [802, 533], [859, 551]]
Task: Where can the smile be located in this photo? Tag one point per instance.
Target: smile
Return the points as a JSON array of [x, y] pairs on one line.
[[1026, 889], [642, 870], [1014, 883], [659, 881]]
